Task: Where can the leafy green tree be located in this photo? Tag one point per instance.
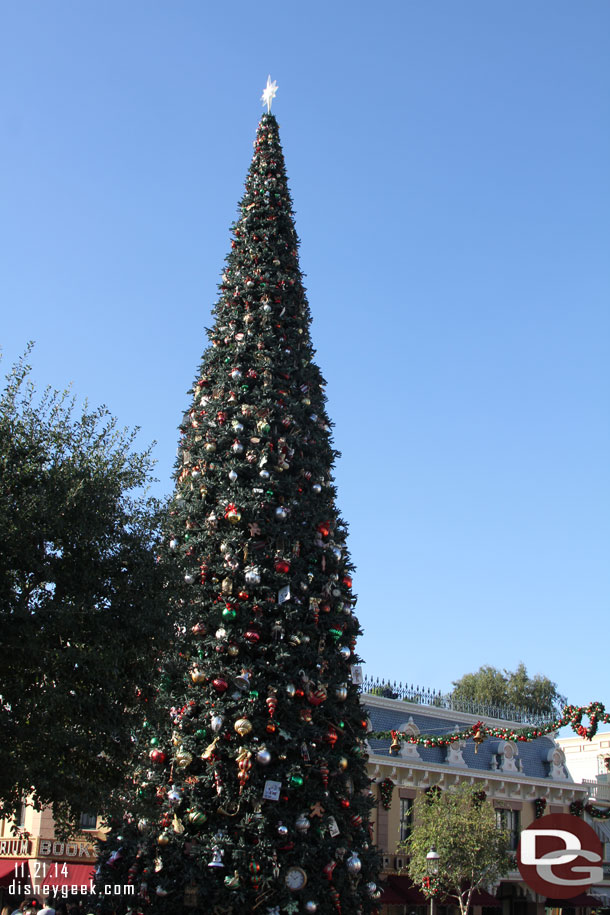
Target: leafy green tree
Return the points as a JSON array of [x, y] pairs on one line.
[[495, 687], [472, 851], [258, 782], [80, 609]]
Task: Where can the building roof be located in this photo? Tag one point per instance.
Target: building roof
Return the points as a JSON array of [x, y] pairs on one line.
[[532, 757]]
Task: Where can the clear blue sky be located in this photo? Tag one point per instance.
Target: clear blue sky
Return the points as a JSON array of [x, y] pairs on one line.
[[449, 164]]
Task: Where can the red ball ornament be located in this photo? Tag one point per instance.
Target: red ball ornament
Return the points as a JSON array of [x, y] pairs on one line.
[[252, 636], [331, 736], [347, 581], [356, 820], [157, 756], [282, 565], [317, 696], [220, 685]]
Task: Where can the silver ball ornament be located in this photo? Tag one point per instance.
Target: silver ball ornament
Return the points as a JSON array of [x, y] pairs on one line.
[[353, 864], [263, 756], [302, 824], [232, 476], [173, 544], [189, 578], [345, 652], [253, 575], [311, 906], [317, 488]]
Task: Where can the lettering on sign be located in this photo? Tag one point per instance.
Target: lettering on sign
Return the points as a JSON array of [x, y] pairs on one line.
[[51, 848], [10, 848]]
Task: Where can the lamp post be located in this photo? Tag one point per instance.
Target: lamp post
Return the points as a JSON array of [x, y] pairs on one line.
[[432, 871]]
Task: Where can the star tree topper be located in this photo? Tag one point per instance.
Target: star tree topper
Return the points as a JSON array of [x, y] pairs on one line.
[[269, 93]]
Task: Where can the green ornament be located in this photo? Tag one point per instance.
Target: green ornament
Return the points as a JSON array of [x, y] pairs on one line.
[[229, 614], [154, 741], [296, 781]]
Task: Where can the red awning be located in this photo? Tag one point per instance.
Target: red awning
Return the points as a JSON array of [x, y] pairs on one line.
[[10, 869], [404, 887], [482, 897], [581, 901], [56, 874], [391, 897]]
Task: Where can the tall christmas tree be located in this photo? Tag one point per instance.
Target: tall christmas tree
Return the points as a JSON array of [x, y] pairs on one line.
[[260, 796]]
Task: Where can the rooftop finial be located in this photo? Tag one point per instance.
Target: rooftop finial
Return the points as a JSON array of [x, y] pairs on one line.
[[269, 93]]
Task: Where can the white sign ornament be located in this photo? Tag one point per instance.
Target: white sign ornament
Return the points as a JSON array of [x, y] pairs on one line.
[[271, 791]]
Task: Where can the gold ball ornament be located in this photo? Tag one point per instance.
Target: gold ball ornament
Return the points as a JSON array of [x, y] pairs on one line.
[[243, 726], [183, 759]]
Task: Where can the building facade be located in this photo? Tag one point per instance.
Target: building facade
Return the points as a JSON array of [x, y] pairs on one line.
[[520, 779], [33, 861]]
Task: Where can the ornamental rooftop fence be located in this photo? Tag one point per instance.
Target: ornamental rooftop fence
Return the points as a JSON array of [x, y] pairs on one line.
[[421, 696]]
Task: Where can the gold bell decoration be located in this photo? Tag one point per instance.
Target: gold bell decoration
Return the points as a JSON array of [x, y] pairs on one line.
[[478, 735], [395, 745]]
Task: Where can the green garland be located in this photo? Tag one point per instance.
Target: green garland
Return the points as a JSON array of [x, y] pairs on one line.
[[598, 813], [572, 715]]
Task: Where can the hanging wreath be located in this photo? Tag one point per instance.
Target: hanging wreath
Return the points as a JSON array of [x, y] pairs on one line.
[[539, 807], [577, 808], [479, 797], [432, 793], [430, 886], [386, 789]]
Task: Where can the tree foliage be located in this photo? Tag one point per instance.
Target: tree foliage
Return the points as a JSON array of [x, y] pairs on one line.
[[495, 687], [461, 825], [256, 778], [80, 588]]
